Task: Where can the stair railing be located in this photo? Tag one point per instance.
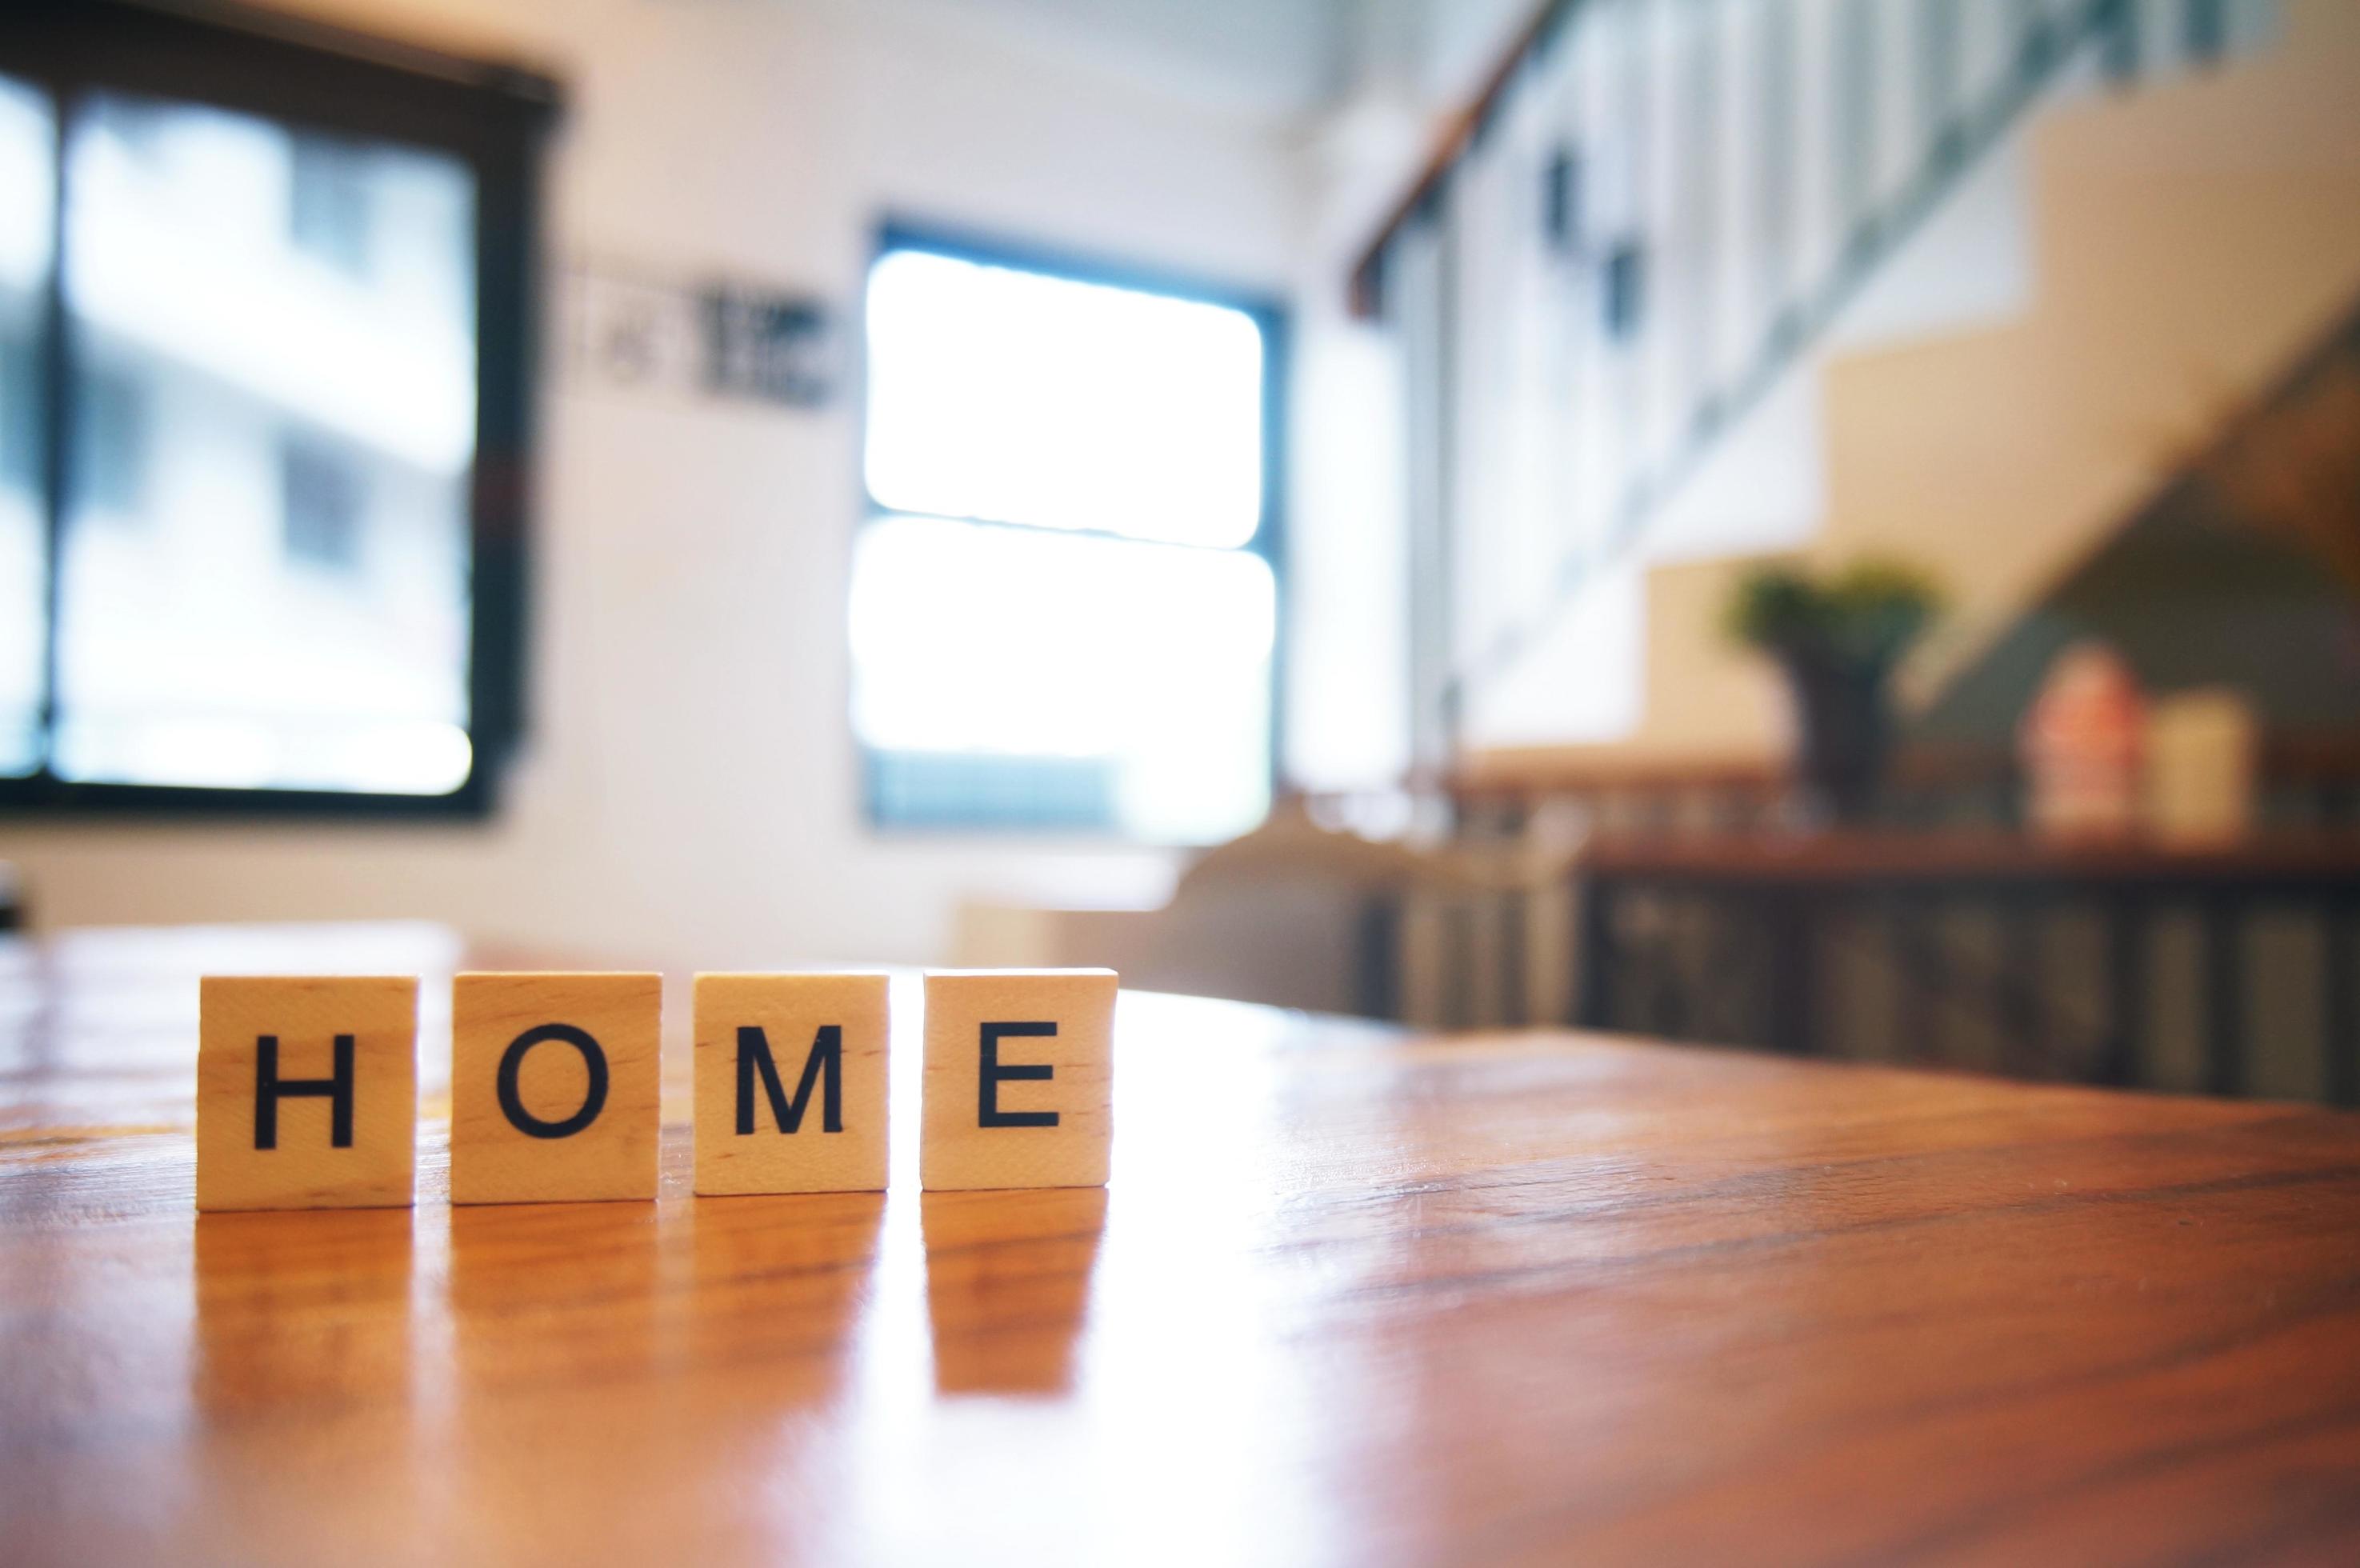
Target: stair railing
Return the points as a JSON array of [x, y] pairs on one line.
[[1607, 140]]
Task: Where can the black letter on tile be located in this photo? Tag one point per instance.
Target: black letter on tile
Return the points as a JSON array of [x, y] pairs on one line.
[[987, 1111], [270, 1089], [591, 1103], [826, 1055]]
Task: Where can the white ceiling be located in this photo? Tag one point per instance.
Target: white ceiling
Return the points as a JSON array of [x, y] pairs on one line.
[[1273, 57], [1285, 58], [1282, 61]]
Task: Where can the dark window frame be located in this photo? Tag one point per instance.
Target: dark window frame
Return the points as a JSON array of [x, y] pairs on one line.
[[1269, 539], [493, 117]]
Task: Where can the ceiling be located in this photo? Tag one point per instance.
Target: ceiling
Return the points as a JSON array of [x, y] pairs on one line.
[[1281, 59]]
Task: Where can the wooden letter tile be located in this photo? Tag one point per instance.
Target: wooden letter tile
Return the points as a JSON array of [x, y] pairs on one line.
[[790, 1082], [1020, 1078], [555, 1086], [307, 1092]]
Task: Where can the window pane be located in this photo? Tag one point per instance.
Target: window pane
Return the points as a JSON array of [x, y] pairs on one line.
[[1022, 398], [263, 580], [28, 156], [1135, 675]]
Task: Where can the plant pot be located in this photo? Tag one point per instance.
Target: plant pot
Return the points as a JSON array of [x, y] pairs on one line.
[[1843, 731]]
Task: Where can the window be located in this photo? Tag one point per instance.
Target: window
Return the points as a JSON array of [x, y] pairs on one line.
[[1063, 607], [109, 432], [28, 157], [20, 398], [320, 499], [263, 310], [329, 202]]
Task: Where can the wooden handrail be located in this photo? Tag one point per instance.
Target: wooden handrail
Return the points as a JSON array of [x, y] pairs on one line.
[[2298, 759], [1456, 134]]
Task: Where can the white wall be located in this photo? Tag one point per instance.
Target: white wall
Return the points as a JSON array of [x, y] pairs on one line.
[[689, 798], [1403, 67]]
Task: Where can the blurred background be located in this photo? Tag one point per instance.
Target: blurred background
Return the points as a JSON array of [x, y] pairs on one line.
[[1826, 525]]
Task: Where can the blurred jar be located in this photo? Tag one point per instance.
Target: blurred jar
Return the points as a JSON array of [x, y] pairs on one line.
[[2202, 751], [2082, 745]]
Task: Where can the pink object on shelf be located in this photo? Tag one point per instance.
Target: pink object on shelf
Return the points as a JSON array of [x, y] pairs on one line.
[[2083, 743]]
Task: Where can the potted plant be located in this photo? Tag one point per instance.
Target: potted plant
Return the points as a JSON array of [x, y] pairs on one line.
[[1838, 637]]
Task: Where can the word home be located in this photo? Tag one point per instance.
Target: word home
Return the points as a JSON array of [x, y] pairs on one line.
[[307, 1086]]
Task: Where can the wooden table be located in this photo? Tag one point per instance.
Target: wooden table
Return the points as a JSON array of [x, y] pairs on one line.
[[1353, 1296]]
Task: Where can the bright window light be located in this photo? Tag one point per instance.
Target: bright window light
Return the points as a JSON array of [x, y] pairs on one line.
[[1030, 399], [263, 582], [1060, 618], [28, 149]]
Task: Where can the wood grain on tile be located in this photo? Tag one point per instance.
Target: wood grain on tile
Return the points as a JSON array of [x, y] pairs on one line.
[[307, 1092], [1019, 1084], [790, 1082], [556, 1081]]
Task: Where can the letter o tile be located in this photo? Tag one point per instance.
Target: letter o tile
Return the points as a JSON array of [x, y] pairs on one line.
[[556, 1086]]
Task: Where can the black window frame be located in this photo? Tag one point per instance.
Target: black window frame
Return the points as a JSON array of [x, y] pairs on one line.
[[494, 118], [897, 233]]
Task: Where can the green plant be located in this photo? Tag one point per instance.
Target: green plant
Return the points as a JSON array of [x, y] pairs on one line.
[[1863, 616]]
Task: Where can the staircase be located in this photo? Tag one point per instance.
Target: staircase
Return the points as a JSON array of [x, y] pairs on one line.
[[1665, 242], [2192, 241]]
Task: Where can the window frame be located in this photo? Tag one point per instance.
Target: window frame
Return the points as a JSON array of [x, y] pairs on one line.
[[897, 233], [493, 117]]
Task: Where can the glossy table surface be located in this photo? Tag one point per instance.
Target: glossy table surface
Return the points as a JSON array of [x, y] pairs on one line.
[[1353, 1296]]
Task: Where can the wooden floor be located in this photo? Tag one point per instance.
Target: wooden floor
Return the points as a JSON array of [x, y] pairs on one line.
[[1352, 1297]]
